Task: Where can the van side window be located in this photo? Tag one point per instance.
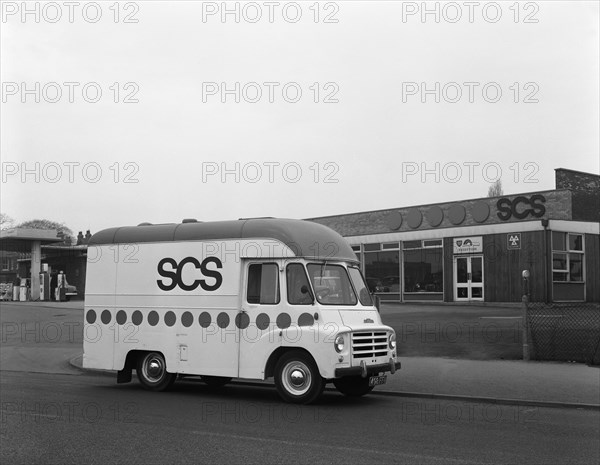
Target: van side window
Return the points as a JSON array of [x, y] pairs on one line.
[[263, 284], [296, 280]]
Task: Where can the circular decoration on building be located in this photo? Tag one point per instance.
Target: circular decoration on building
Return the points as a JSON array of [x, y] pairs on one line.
[[242, 320], [204, 319], [187, 319], [222, 320], [480, 211], [105, 317], [414, 218], [153, 318], [121, 317], [435, 215], [90, 316], [262, 321], [306, 319], [137, 318], [457, 214], [283, 321], [170, 318], [394, 220]]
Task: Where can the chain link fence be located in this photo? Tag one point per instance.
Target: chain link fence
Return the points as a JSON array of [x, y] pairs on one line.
[[564, 332]]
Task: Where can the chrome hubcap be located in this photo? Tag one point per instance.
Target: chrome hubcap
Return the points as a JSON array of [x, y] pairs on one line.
[[296, 378], [154, 369]]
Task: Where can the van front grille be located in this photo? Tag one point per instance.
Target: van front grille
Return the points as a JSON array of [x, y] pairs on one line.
[[369, 344]]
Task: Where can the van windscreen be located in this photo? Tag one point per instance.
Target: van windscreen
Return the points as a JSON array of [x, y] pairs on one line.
[[331, 284]]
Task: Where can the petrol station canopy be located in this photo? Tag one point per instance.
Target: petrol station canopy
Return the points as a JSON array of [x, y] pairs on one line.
[[22, 239]]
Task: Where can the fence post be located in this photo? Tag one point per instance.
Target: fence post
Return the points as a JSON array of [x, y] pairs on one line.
[[524, 302]]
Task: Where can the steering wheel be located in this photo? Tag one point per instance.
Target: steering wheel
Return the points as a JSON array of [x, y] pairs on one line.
[[323, 292]]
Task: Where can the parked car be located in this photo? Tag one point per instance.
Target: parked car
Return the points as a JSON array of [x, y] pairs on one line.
[[375, 285], [392, 283]]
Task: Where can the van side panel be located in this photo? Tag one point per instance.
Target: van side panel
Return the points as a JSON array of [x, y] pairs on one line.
[[179, 298], [101, 274]]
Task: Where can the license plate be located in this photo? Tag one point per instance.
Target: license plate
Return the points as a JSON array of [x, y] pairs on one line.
[[377, 380]]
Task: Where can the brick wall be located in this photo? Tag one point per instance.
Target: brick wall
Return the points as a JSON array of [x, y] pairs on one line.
[[586, 193], [443, 215]]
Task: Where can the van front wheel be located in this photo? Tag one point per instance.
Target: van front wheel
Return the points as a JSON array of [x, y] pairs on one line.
[[297, 378], [152, 372]]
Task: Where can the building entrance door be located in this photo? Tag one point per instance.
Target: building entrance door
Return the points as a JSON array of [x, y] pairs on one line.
[[468, 278]]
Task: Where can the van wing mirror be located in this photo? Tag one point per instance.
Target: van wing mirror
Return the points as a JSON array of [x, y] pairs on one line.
[[305, 290], [377, 301]]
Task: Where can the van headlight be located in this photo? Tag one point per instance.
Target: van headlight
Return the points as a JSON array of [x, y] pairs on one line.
[[392, 341], [339, 343]]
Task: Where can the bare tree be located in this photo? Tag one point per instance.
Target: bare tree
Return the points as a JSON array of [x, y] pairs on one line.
[[6, 222], [495, 189]]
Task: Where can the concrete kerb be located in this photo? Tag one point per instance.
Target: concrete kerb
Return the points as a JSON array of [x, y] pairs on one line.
[[76, 362]]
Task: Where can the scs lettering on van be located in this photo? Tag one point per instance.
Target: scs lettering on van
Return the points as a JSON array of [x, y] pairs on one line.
[[175, 275], [250, 299]]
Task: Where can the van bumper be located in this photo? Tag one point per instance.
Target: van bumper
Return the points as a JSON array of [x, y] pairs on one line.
[[365, 370]]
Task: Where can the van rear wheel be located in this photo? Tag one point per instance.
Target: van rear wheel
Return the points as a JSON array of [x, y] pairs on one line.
[[297, 378], [152, 372], [353, 386]]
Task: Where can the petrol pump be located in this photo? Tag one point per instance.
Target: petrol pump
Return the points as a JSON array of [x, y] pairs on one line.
[[61, 287], [45, 282]]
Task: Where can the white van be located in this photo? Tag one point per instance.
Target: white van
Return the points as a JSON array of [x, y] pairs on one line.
[[253, 298]]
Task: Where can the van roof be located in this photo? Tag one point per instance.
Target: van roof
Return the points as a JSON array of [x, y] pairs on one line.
[[305, 238]]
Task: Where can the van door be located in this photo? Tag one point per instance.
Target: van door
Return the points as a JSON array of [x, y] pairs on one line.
[[258, 317]]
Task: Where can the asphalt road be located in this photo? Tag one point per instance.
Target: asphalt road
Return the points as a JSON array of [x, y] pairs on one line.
[[54, 413], [57, 418]]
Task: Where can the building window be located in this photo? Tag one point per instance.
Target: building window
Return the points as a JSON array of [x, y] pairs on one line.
[[423, 266], [567, 257], [382, 268], [8, 264]]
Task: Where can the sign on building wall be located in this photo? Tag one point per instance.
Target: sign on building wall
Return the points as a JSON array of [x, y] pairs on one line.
[[472, 244], [513, 241], [521, 207]]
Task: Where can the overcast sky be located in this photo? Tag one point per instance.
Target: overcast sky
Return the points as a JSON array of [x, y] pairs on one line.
[[341, 106]]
